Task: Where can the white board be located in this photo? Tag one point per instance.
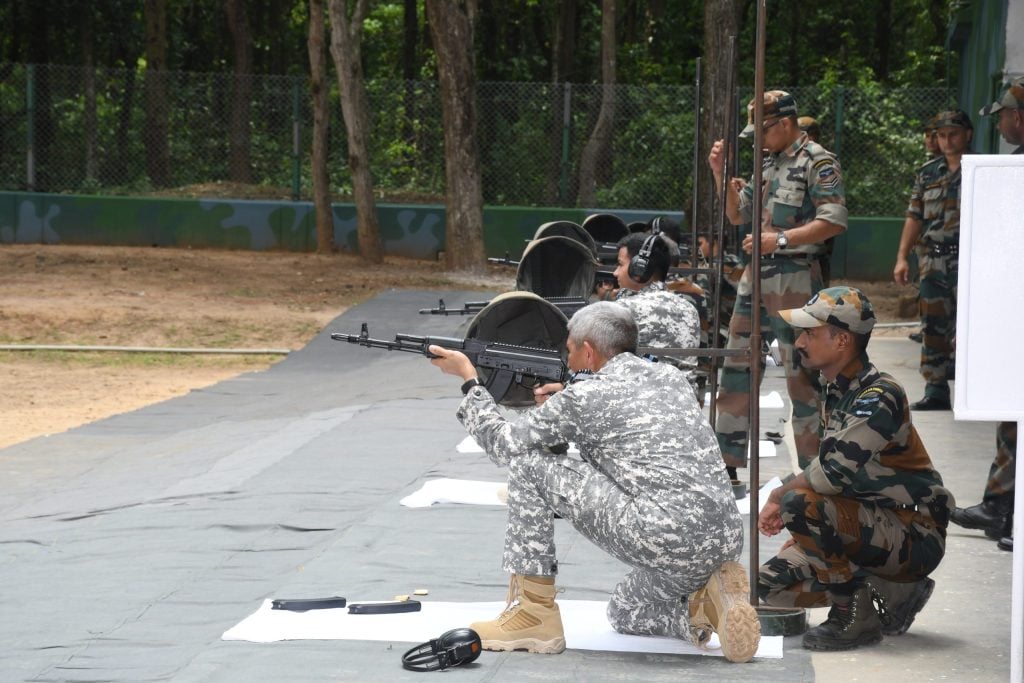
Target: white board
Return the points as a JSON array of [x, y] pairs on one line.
[[990, 297]]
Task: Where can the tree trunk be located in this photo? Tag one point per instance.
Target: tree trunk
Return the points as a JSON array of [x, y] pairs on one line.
[[721, 20], [158, 162], [318, 87], [598, 150], [451, 27], [239, 161], [346, 35]]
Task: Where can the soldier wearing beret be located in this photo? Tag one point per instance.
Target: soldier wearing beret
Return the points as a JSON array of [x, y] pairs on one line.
[[933, 225], [868, 516]]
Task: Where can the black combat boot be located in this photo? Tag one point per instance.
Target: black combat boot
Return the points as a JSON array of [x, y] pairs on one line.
[[989, 515], [898, 603], [848, 626]]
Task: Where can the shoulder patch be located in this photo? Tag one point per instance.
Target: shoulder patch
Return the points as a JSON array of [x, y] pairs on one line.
[[826, 172], [867, 401]]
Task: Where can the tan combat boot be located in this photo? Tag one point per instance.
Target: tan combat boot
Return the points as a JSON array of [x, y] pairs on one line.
[[530, 622], [723, 606]]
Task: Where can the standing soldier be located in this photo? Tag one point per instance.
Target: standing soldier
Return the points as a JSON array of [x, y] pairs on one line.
[[931, 150], [994, 513], [802, 206], [933, 222]]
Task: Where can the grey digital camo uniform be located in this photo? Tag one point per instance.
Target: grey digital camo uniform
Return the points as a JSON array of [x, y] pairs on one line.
[[650, 489], [665, 320], [876, 504]]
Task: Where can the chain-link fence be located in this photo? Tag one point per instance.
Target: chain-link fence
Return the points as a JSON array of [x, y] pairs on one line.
[[125, 131]]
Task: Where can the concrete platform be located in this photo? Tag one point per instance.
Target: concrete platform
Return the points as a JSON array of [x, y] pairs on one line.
[[131, 544]]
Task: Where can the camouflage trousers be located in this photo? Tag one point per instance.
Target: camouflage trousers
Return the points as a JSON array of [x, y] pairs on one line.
[[785, 283], [839, 539], [666, 567], [1004, 468], [937, 307]]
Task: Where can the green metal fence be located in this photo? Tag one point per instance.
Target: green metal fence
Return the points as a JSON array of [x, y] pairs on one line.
[[128, 132]]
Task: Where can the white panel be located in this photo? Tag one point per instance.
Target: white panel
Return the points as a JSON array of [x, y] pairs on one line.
[[990, 308]]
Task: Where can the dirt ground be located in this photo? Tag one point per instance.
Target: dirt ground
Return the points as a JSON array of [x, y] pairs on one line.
[[181, 298]]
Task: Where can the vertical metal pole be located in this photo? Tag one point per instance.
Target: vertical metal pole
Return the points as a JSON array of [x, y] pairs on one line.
[[755, 301], [837, 147], [1016, 588], [30, 128], [296, 143], [729, 135], [563, 180], [695, 190]]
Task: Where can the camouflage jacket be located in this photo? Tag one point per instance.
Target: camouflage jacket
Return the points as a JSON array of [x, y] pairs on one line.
[[664, 319], [935, 201], [801, 183], [637, 422], [870, 449]]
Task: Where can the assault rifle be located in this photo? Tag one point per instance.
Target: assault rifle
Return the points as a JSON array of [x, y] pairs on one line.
[[506, 363], [568, 305]]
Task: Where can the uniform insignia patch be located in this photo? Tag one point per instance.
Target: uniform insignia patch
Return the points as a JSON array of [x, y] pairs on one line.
[[867, 401], [828, 175], [795, 173]]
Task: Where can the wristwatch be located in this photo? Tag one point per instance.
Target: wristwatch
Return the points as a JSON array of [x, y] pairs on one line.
[[470, 383], [781, 241]]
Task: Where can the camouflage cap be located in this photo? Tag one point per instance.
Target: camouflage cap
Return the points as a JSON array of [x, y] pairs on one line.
[[777, 104], [929, 125], [843, 307], [1010, 97], [953, 117]]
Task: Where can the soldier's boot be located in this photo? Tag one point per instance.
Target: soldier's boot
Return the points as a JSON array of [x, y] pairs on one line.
[[898, 603], [722, 606], [989, 515], [850, 625], [531, 620]]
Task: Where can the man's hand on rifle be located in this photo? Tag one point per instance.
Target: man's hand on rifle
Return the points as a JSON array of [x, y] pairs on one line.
[[546, 391], [453, 362]]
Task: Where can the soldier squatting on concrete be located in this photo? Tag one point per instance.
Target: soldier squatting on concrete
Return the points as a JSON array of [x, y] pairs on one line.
[[868, 516], [649, 489]]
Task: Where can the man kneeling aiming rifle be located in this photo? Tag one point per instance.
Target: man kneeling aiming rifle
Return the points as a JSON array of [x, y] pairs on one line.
[[650, 490]]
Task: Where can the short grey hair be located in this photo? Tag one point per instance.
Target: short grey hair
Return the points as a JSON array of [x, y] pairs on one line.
[[608, 326]]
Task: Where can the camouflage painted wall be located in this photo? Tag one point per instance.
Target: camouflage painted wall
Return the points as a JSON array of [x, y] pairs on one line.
[[866, 252]]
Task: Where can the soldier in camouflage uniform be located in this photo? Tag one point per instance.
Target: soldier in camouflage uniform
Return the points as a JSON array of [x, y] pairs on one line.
[[933, 223], [803, 206], [994, 513], [868, 517], [664, 319], [649, 490]]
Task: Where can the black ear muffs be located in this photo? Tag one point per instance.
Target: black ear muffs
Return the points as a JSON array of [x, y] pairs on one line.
[[640, 267], [454, 648]]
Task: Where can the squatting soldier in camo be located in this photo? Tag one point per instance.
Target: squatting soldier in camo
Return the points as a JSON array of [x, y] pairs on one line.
[[868, 516], [664, 319], [933, 224], [803, 206], [649, 490], [994, 513]]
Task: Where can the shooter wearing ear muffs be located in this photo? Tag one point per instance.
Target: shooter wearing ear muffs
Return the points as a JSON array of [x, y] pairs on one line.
[[664, 319], [648, 488]]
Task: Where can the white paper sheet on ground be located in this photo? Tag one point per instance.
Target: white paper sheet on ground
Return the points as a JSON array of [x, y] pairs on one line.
[[765, 449], [744, 503], [772, 399], [469, 445], [586, 627], [465, 491]]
